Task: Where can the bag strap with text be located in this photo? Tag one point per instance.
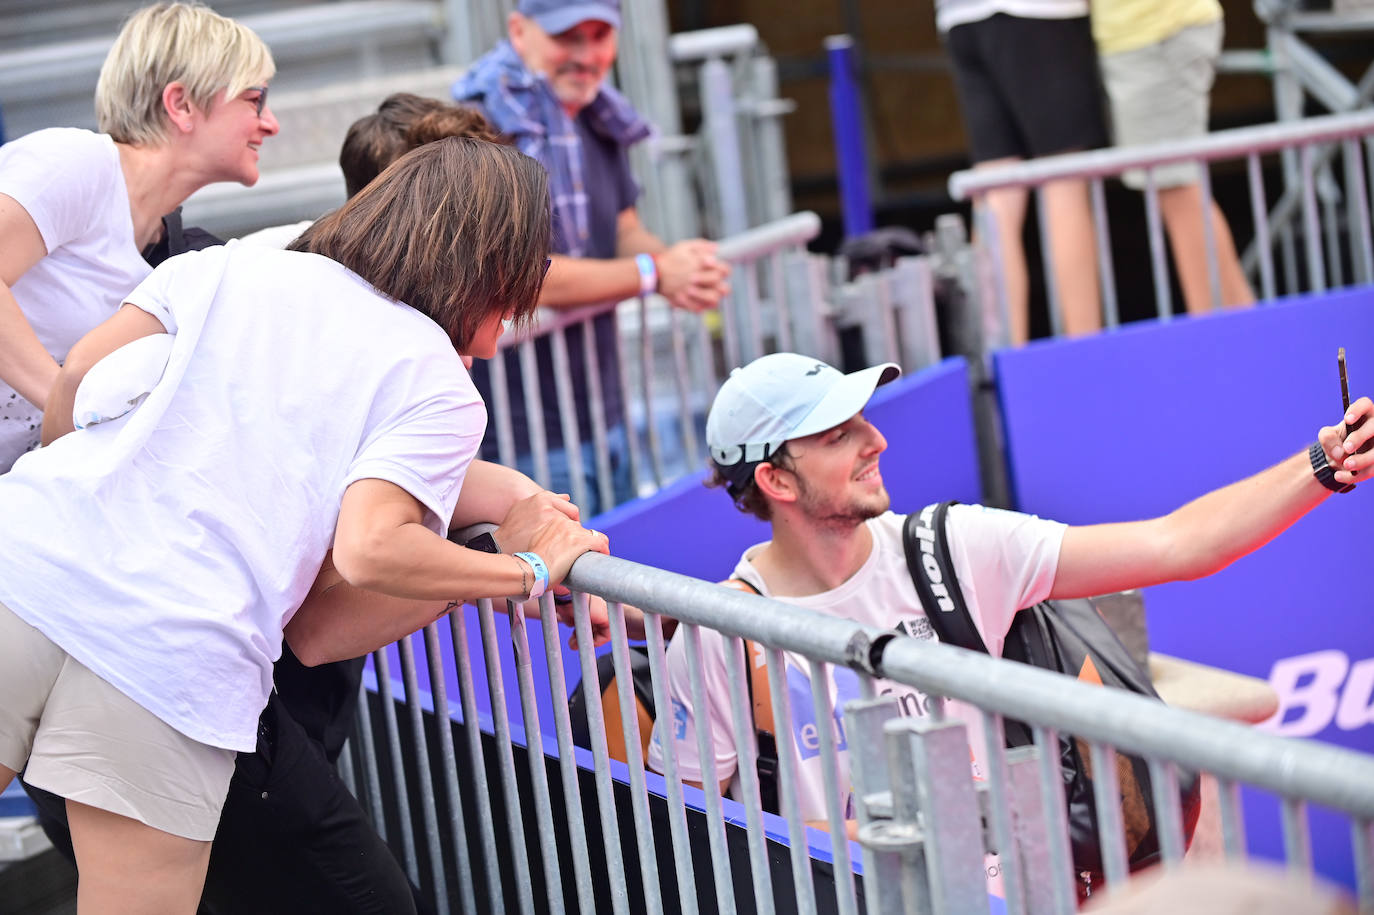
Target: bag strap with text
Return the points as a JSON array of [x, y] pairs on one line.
[[932, 572]]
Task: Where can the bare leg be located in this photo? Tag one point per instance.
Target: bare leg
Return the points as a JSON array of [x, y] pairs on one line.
[[1008, 209], [1073, 254], [127, 867], [1181, 208]]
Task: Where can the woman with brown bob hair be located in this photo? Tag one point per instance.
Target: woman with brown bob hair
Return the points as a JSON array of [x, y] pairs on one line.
[[310, 398]]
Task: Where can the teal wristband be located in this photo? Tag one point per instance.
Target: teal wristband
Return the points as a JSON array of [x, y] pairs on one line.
[[541, 574], [648, 273]]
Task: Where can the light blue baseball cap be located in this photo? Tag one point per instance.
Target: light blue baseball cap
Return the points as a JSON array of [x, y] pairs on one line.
[[777, 398]]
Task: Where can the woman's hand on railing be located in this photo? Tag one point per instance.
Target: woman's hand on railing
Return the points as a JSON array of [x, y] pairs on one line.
[[560, 541], [527, 517], [691, 276]]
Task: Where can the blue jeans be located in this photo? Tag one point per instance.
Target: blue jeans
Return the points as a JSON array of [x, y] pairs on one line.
[[560, 477]]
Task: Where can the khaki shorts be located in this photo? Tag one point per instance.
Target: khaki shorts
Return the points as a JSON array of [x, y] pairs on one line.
[[79, 737], [1161, 92]]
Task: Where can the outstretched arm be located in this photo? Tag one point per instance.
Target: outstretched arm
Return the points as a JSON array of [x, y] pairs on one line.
[[1200, 538]]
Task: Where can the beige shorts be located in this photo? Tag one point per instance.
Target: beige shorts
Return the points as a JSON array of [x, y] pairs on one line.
[[1161, 92], [77, 736]]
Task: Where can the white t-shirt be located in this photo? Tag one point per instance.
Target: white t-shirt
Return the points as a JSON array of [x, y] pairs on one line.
[[166, 549], [1004, 560], [949, 13], [70, 183]]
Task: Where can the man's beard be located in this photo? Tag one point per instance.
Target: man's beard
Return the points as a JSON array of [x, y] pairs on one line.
[[841, 513]]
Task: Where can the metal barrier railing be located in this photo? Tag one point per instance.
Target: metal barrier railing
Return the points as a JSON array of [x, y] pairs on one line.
[[920, 818], [1312, 141], [672, 362]]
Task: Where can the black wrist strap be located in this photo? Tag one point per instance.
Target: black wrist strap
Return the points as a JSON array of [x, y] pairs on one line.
[[1322, 470]]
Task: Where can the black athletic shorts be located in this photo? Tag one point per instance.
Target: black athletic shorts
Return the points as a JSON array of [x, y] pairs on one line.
[[1028, 87]]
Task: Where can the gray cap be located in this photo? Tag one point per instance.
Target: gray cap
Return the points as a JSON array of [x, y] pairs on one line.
[[557, 16]]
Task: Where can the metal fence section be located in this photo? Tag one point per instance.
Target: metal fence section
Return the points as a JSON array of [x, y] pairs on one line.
[[1331, 227], [672, 362], [924, 827]]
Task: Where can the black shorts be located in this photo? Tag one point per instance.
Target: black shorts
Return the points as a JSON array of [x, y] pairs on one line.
[[1028, 87]]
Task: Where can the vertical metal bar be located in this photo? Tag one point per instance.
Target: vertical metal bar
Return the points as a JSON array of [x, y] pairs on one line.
[[1297, 845], [887, 320], [368, 751], [781, 307], [534, 412], [738, 668], [1316, 272], [596, 403], [639, 795], [1209, 235], [1107, 798], [710, 781], [382, 665], [1030, 836], [472, 730], [534, 748], [1053, 294], [605, 790], [1000, 807], [788, 775], [1362, 843], [915, 872], [505, 754], [744, 293], [1232, 819], [821, 681], [1168, 815], [646, 388], [567, 757], [567, 416], [1105, 272], [428, 806], [1159, 269], [500, 408], [677, 814], [992, 244], [448, 757], [729, 332], [720, 128], [1327, 206], [864, 722], [1357, 213], [950, 817], [1056, 819], [626, 413], [682, 380], [1259, 213]]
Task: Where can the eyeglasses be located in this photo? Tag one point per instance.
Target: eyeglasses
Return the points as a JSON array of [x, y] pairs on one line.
[[261, 100], [548, 262]]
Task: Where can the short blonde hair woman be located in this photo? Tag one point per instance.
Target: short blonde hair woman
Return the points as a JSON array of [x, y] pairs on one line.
[[182, 103]]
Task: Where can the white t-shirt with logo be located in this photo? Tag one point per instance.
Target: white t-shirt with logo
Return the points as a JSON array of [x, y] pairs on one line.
[[166, 549], [70, 183], [1004, 561]]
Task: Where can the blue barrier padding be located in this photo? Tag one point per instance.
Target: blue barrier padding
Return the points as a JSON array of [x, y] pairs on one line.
[[1134, 423]]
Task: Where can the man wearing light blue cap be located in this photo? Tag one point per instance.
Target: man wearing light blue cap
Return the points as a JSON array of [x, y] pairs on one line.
[[789, 442], [545, 88]]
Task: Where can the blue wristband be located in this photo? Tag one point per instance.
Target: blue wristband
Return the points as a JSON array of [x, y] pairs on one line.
[[648, 273], [541, 574]]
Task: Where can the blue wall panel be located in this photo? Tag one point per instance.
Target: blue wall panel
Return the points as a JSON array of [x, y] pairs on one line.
[[1134, 423]]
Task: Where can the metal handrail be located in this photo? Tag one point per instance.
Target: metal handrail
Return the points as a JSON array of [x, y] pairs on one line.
[[1328, 775], [1101, 163]]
